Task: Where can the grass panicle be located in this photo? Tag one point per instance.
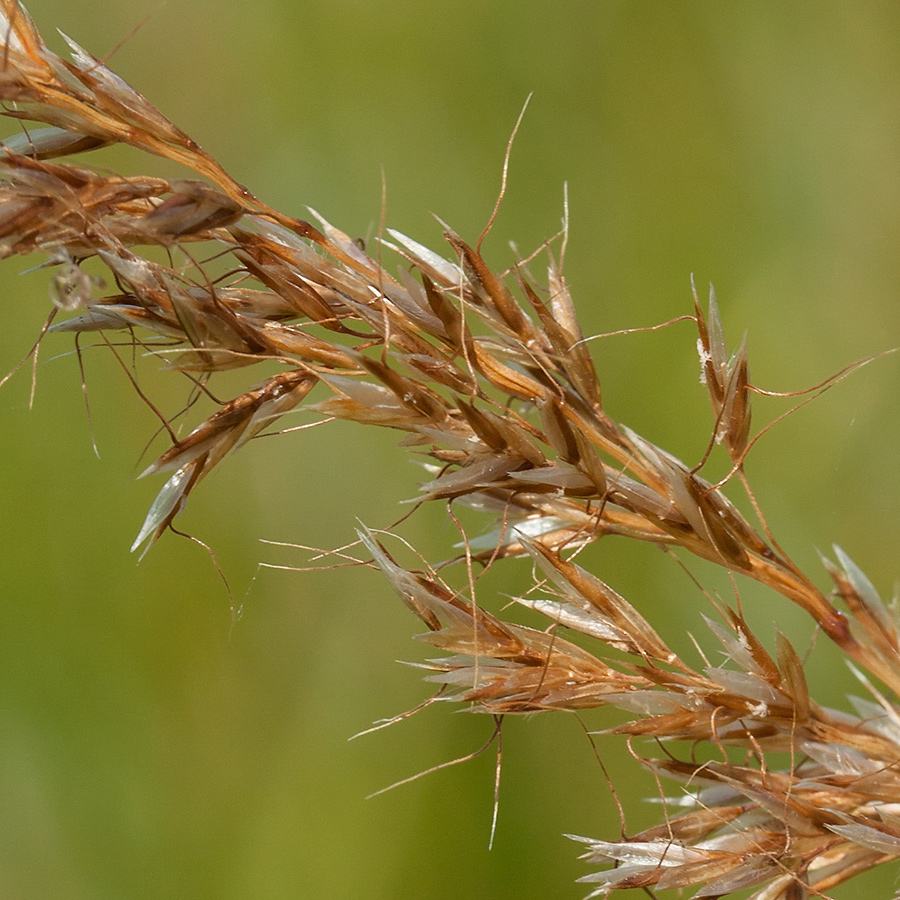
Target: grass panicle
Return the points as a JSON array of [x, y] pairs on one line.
[[489, 377]]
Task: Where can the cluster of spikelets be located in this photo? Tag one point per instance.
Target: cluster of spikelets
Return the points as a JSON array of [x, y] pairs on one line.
[[495, 384]]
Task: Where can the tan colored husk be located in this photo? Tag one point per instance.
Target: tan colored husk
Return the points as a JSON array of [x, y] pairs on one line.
[[495, 383]]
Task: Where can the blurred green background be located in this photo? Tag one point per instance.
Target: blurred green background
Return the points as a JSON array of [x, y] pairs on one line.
[[151, 749]]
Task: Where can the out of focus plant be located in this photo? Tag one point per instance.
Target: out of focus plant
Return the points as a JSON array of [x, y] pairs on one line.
[[491, 380]]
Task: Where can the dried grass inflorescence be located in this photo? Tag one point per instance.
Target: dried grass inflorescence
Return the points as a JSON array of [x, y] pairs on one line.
[[496, 385]]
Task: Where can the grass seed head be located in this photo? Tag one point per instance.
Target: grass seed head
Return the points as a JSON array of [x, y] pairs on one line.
[[490, 379]]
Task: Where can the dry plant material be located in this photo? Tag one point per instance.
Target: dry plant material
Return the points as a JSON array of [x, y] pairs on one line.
[[490, 377]]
